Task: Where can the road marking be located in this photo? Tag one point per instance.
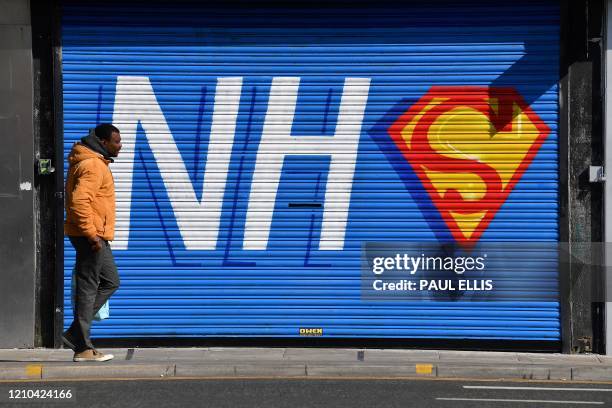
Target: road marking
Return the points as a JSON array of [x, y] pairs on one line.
[[424, 369], [34, 370], [518, 400], [490, 387]]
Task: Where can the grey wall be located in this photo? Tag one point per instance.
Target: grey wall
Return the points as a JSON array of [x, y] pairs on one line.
[[581, 146], [17, 272], [608, 167]]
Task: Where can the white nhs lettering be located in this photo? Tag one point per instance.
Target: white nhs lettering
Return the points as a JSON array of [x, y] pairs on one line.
[[198, 221]]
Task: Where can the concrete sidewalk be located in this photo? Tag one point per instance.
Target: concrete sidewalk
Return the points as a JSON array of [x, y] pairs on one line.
[[39, 364]]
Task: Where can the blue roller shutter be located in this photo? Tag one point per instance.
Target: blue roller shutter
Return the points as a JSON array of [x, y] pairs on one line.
[[259, 157]]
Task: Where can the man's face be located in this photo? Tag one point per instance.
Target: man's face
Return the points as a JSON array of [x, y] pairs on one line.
[[113, 145]]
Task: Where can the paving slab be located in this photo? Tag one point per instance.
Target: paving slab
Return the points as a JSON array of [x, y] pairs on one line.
[[400, 356], [152, 354], [492, 356], [310, 354], [605, 359], [34, 355], [243, 354], [557, 358]]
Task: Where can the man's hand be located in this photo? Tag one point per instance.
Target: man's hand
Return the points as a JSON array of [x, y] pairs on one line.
[[96, 244]]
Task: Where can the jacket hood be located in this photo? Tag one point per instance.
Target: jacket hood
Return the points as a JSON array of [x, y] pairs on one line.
[[88, 148]]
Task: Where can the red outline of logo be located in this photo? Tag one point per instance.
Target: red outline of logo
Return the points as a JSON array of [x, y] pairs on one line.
[[477, 98]]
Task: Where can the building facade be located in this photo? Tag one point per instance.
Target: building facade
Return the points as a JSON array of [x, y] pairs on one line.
[[272, 153]]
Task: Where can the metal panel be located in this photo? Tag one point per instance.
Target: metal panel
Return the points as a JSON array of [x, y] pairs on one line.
[[608, 166], [17, 273], [240, 216]]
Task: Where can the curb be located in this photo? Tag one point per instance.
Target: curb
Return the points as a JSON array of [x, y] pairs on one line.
[[109, 371], [587, 373], [63, 371]]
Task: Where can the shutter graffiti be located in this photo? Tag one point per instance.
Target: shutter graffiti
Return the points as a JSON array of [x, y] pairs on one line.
[[265, 147], [469, 146]]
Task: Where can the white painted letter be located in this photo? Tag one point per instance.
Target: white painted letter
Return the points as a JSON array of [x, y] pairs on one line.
[[198, 222], [277, 142]]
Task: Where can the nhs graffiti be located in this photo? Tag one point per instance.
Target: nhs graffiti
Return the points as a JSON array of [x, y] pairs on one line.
[[198, 220], [459, 152]]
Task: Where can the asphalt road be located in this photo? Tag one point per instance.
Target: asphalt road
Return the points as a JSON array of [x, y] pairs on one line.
[[297, 393]]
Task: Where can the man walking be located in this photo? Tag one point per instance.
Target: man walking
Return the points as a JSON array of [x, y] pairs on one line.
[[90, 224]]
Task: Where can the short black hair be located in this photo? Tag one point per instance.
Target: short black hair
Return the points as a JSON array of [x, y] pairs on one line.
[[104, 131]]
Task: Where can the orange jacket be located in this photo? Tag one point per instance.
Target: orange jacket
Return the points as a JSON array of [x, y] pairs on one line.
[[90, 195]]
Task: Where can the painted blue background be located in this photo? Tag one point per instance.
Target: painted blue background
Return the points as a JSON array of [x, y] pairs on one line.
[[169, 291]]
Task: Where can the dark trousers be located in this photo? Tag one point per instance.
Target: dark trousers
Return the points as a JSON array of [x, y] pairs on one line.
[[96, 280]]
